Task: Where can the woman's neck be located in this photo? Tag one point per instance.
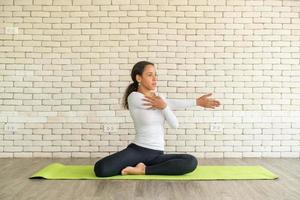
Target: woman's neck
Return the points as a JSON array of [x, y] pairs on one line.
[[146, 92]]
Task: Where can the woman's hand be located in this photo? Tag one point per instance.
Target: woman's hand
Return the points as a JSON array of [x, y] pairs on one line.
[[206, 102], [155, 102]]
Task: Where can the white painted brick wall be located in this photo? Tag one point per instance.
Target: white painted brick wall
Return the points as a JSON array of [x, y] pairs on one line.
[[63, 75]]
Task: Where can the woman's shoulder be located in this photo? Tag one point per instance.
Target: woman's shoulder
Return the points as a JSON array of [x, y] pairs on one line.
[[134, 96], [135, 99], [141, 95]]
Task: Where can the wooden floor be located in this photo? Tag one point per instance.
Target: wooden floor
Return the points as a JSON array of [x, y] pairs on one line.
[[14, 183]]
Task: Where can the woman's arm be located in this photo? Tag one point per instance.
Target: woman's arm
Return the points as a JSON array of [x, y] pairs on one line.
[[170, 117], [181, 103], [158, 102], [202, 101], [166, 105]]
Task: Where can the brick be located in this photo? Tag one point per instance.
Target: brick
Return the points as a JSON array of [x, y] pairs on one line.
[[62, 2]]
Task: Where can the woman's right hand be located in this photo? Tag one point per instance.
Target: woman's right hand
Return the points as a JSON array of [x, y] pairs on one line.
[[155, 102]]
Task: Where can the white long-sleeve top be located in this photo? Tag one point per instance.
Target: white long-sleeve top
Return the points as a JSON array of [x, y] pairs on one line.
[[149, 123]]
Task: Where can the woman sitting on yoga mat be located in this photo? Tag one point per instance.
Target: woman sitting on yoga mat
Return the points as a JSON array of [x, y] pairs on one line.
[[149, 111]]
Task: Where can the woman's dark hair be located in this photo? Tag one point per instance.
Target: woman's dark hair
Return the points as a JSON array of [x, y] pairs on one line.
[[137, 69]]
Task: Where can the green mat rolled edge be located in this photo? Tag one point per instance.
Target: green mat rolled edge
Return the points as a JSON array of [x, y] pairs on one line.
[[60, 171]]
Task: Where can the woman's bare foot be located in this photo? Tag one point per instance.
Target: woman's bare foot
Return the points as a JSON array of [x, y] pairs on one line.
[[139, 169]]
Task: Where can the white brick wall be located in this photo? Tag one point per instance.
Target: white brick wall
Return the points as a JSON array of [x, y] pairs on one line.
[[63, 75]]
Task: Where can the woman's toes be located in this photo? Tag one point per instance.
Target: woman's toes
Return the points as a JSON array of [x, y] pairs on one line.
[[141, 166], [125, 171]]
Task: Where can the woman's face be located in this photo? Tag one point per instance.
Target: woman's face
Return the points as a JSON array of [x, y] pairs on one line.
[[148, 80]]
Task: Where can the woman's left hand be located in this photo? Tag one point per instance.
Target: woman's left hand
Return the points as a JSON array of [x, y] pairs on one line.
[[155, 102], [206, 102]]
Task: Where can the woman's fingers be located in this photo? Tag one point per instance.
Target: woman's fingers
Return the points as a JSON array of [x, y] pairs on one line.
[[149, 97], [148, 100], [211, 103], [207, 95], [216, 103], [149, 106], [151, 100]]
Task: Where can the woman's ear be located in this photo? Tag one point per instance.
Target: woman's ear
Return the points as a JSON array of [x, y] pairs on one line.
[[138, 78]]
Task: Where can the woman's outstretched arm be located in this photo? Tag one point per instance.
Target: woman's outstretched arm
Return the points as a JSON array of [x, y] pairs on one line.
[[202, 101], [181, 103]]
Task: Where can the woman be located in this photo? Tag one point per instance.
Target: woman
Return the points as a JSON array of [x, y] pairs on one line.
[[149, 111]]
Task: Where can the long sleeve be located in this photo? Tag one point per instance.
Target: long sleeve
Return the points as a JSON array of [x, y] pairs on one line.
[[136, 101], [170, 117], [180, 103]]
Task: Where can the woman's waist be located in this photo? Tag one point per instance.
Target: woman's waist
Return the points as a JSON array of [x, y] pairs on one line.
[[149, 148], [155, 129]]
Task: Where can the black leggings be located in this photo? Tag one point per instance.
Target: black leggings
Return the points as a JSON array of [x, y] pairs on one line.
[[156, 162]]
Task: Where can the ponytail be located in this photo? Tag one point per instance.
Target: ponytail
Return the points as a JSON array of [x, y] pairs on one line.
[[133, 87]]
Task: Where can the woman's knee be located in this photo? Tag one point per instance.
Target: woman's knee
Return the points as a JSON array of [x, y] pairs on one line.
[[102, 170], [192, 162]]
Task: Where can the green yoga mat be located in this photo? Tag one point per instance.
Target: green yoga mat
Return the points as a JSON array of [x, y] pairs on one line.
[[60, 171]]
